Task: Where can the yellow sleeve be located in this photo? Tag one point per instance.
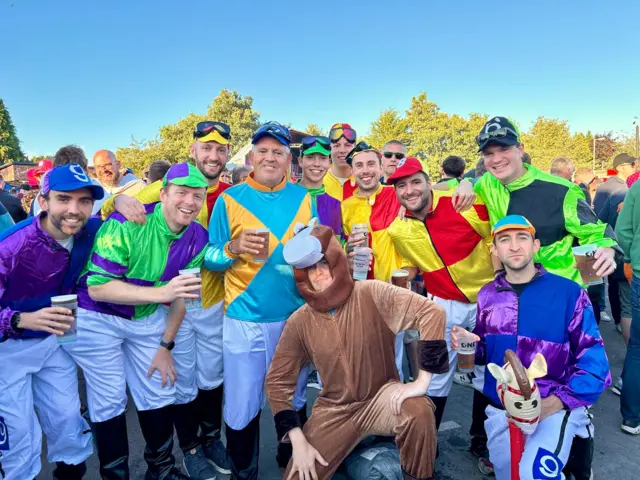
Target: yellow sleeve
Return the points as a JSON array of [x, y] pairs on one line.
[[149, 194]]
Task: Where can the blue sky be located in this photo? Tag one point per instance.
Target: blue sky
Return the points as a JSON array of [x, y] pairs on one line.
[[97, 73]]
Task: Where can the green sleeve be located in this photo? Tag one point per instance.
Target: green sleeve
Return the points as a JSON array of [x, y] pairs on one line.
[[110, 255], [582, 223], [624, 227]]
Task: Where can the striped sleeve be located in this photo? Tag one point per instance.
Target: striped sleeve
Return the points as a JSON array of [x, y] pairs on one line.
[[109, 258], [582, 223], [149, 194]]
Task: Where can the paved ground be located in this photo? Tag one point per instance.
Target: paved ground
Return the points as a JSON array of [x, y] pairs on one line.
[[617, 454]]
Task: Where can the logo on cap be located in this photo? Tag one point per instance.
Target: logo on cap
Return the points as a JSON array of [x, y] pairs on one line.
[[402, 162], [78, 173]]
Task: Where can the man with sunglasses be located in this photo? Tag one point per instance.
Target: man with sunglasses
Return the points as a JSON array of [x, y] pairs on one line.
[[338, 182], [315, 161], [198, 350], [392, 153], [555, 207], [260, 294]]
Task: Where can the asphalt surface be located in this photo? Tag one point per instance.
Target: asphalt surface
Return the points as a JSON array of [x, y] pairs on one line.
[[617, 455]]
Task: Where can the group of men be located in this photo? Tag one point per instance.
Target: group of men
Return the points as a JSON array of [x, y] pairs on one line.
[[277, 295]]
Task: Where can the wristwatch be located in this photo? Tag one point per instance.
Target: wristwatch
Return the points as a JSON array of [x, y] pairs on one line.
[[15, 320], [169, 346]]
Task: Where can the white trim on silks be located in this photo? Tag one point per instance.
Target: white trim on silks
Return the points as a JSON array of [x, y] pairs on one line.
[[248, 349], [37, 374], [198, 352], [546, 450], [114, 353], [460, 314]]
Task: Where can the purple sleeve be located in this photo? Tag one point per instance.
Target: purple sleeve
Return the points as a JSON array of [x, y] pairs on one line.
[[588, 372], [6, 257], [480, 330]]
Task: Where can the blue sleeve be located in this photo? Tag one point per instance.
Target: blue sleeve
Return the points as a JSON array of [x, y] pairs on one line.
[[217, 257], [589, 374]]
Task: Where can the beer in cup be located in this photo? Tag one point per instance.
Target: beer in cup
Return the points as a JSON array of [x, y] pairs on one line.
[[263, 256], [585, 259], [466, 350], [400, 278], [192, 303], [70, 302]]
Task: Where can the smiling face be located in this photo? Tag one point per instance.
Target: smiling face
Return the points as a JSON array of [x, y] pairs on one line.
[[340, 150], [270, 160], [504, 162], [366, 170], [181, 205], [414, 193], [211, 158], [67, 212], [320, 275], [314, 168], [515, 249]]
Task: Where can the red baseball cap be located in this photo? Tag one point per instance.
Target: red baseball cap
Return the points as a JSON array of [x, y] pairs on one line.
[[407, 166]]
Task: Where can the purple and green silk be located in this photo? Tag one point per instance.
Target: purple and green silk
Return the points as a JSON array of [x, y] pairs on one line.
[[148, 255]]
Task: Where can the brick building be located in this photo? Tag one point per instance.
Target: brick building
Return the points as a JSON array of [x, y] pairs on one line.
[[16, 172]]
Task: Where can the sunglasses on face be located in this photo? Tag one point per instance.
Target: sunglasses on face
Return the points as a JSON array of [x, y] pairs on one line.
[[337, 133], [205, 128], [398, 155]]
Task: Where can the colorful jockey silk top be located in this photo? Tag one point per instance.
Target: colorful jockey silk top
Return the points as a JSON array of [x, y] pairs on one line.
[[552, 316], [378, 210], [557, 210], [329, 212], [34, 267], [338, 190], [258, 291], [212, 282], [451, 249], [148, 255]]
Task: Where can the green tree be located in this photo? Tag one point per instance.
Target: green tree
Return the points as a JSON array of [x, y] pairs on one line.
[[546, 140], [314, 129], [10, 150], [389, 126], [173, 142], [606, 146]]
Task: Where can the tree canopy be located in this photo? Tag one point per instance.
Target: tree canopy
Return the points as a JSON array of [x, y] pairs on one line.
[[10, 150]]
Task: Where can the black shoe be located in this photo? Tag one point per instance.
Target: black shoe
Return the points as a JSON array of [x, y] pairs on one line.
[[113, 448], [64, 471]]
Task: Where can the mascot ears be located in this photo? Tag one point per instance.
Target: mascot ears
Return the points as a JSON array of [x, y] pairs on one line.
[[301, 226], [499, 373], [537, 369]]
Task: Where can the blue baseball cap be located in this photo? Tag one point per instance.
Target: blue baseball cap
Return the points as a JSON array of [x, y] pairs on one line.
[[275, 130], [513, 222], [68, 178]]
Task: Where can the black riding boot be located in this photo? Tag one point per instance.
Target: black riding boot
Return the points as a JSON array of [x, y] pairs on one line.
[[185, 419], [157, 430], [285, 449], [210, 412], [580, 458], [112, 444], [65, 471], [243, 447]]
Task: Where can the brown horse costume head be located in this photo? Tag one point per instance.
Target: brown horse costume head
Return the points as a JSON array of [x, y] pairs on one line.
[[518, 391], [311, 244]]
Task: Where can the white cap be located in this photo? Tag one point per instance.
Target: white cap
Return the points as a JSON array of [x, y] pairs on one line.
[[303, 250]]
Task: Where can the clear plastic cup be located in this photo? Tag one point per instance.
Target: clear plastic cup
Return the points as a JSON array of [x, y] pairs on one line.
[[466, 350], [400, 278], [359, 229], [70, 302], [361, 262], [585, 259], [192, 303], [263, 256]]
